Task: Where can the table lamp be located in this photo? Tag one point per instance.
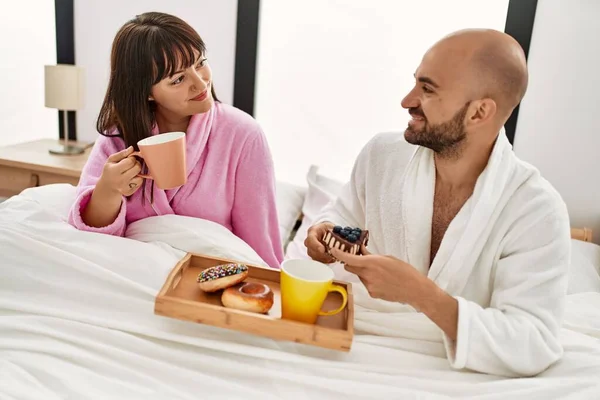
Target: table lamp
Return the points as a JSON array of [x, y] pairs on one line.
[[64, 91]]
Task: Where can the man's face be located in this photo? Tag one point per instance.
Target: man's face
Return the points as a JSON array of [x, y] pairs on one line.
[[438, 103]]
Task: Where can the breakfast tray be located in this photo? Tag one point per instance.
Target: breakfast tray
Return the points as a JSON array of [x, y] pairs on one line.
[[181, 298]]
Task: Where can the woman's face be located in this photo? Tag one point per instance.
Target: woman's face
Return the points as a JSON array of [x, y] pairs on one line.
[[187, 92]]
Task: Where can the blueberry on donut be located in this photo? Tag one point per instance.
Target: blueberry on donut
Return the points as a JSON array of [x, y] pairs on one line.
[[347, 239], [222, 276]]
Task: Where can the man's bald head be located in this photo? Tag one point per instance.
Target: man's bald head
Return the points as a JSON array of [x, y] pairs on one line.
[[466, 87], [495, 64]]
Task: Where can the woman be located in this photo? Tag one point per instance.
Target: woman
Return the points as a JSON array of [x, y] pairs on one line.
[[161, 82]]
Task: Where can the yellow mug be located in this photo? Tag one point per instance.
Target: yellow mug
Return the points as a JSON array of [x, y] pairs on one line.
[[304, 286]]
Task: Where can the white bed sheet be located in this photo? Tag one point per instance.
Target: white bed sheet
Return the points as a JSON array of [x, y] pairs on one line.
[[77, 322]]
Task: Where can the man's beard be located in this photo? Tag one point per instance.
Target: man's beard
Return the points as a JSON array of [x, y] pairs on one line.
[[445, 139]]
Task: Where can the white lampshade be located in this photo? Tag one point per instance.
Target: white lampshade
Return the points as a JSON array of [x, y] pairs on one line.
[[64, 87]]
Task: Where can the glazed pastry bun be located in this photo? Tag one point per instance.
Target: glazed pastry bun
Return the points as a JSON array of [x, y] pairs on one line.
[[248, 296]]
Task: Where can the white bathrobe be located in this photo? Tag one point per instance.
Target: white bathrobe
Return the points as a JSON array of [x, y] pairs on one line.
[[504, 257]]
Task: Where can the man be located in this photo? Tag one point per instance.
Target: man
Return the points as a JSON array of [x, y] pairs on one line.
[[460, 229]]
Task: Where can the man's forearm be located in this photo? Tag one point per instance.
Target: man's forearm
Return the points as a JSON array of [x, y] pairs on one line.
[[439, 307]]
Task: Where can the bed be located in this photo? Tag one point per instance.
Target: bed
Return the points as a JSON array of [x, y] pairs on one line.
[[77, 321]]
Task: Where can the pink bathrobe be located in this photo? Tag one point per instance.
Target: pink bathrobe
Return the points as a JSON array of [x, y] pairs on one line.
[[230, 181]]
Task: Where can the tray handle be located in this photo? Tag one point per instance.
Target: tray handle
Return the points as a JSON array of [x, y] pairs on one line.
[[175, 275]]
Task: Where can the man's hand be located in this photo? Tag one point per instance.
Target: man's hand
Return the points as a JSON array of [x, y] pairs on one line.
[[385, 277], [391, 279], [316, 249]]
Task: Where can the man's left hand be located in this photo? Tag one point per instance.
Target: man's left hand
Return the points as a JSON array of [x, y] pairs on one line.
[[391, 279], [385, 277]]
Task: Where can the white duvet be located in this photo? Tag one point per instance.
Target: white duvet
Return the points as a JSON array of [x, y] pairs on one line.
[[77, 322]]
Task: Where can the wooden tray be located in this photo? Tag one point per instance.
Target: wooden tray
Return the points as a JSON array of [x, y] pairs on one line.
[[181, 298]]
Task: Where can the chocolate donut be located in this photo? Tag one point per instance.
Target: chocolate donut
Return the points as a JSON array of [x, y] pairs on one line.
[[346, 239], [248, 296], [222, 276]]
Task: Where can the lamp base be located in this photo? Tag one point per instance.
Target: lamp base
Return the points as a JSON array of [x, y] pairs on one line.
[[66, 150]]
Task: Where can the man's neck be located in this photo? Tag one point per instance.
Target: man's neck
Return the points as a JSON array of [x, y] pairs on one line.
[[168, 122], [462, 171]]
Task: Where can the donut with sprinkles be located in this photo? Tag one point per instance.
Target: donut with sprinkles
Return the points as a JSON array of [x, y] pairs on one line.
[[222, 276]]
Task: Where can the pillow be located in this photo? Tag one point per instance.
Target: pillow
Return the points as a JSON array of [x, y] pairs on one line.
[[584, 275], [289, 208], [321, 191], [56, 198], [193, 235]]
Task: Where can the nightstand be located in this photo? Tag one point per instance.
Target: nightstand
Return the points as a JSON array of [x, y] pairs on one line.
[[29, 164]]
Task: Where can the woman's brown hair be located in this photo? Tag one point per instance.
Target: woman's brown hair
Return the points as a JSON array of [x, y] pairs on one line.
[[147, 49]]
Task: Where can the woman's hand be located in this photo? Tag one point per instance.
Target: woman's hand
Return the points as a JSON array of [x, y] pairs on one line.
[[119, 178], [119, 175]]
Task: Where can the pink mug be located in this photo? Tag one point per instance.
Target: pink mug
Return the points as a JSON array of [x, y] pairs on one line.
[[164, 155]]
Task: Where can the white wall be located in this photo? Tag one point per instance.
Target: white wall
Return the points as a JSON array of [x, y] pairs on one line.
[[97, 22], [28, 42], [331, 73], [559, 118]]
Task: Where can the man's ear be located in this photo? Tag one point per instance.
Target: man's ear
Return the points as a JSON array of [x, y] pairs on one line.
[[482, 111]]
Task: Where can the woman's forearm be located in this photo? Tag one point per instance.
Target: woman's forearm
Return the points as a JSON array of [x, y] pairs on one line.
[[103, 208]]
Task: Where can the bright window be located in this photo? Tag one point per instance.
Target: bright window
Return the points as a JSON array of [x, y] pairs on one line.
[[331, 73], [28, 42]]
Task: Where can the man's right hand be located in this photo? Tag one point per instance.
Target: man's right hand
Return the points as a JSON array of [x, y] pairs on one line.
[[119, 175], [316, 249]]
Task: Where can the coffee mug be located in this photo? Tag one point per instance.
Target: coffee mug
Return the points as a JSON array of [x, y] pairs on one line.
[[304, 286], [164, 155]]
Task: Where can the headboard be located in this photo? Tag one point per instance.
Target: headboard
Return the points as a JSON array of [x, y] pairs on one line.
[[584, 234]]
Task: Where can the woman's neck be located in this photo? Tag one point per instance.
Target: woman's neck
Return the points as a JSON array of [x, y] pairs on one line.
[[168, 122]]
